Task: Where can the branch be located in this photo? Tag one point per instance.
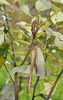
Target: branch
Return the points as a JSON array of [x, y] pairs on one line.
[[16, 74], [54, 85], [9, 73], [12, 44], [35, 87], [31, 69], [25, 57], [33, 55]]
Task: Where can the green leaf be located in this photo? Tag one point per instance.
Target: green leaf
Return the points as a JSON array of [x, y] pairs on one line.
[[20, 36], [47, 24], [26, 10], [8, 92], [58, 1], [21, 2], [49, 31], [41, 70], [5, 2], [47, 89], [18, 31], [58, 35], [42, 19], [24, 69], [58, 42], [40, 63], [2, 59], [18, 59], [55, 33], [22, 88], [4, 48], [33, 19], [5, 30], [25, 26], [1, 38], [42, 5], [16, 52], [3, 53], [24, 77], [39, 34], [24, 42], [43, 96], [56, 16], [48, 72], [60, 25], [54, 7], [39, 56]]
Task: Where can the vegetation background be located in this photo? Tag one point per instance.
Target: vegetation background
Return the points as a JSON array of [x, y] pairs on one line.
[[55, 61]]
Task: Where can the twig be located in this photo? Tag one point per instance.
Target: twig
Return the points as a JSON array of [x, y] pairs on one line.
[[16, 74], [54, 85], [9, 73], [29, 82], [31, 69], [12, 44], [35, 87], [25, 57], [33, 55]]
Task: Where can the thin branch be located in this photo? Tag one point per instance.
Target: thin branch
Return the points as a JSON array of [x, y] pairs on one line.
[[35, 87], [16, 74], [31, 69], [25, 56], [13, 49], [29, 82], [54, 85], [12, 45], [9, 73], [33, 52]]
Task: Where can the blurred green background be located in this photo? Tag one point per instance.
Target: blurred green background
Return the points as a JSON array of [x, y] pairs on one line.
[[54, 62], [55, 59]]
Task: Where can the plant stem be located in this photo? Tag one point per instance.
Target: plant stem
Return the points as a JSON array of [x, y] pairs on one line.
[[35, 87], [31, 69], [13, 18], [9, 73], [25, 56], [35, 24], [16, 74], [54, 85], [30, 78]]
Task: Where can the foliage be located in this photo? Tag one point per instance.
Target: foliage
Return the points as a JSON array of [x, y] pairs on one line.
[[28, 47]]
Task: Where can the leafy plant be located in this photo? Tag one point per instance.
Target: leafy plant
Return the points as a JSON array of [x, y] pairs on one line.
[[31, 43]]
